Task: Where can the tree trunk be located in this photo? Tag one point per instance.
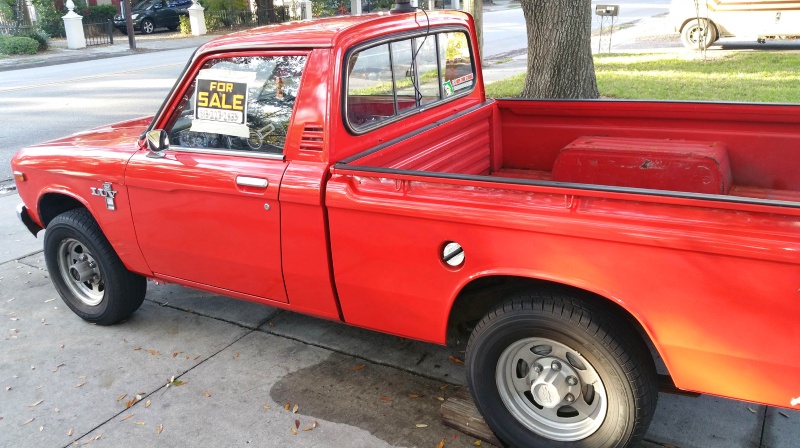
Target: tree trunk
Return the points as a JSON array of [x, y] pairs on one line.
[[559, 49], [475, 7]]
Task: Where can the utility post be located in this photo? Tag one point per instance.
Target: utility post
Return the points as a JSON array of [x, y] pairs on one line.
[[126, 5]]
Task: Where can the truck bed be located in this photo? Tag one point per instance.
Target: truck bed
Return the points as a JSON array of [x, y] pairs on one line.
[[526, 140], [711, 277]]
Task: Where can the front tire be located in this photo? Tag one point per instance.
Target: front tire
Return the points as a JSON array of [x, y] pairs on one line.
[[86, 271], [548, 370], [148, 26], [699, 34]]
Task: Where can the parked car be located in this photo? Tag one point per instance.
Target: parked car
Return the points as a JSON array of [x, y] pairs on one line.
[[701, 24], [151, 14]]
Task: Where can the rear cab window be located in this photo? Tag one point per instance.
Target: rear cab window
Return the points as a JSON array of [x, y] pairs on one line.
[[389, 79]]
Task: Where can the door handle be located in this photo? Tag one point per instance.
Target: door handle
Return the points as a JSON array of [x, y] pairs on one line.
[[246, 181]]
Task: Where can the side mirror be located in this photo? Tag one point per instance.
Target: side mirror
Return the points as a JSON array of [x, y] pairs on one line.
[[157, 142]]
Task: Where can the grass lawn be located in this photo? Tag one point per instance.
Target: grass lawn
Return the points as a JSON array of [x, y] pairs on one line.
[[770, 77]]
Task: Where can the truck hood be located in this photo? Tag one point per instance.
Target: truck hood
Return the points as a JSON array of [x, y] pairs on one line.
[[100, 153]]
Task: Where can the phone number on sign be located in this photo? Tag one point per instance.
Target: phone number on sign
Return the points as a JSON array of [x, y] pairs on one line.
[[226, 116]]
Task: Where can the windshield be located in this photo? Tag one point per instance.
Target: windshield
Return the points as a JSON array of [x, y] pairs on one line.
[[147, 4]]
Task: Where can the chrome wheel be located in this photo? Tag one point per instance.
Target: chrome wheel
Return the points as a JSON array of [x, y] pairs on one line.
[[80, 272], [148, 27], [551, 389]]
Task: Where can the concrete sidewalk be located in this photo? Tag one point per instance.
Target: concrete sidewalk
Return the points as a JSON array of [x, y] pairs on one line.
[[59, 54], [237, 365]]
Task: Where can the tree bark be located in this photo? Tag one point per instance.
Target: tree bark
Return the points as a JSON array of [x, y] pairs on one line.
[[560, 61], [475, 7]]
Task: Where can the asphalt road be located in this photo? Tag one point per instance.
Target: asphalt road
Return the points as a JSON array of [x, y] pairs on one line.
[[504, 30], [44, 103]]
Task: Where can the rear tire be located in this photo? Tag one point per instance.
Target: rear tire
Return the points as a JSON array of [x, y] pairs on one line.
[[86, 271], [548, 370]]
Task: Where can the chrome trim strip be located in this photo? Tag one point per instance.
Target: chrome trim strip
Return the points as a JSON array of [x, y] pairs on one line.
[[228, 152], [247, 181]]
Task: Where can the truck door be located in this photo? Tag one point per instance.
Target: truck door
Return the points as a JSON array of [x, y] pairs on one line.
[[207, 210]]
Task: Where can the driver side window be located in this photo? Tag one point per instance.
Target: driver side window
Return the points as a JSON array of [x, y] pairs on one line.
[[239, 104]]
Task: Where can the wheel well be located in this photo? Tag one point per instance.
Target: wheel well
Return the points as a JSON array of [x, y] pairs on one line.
[[480, 295], [711, 22], [54, 204]]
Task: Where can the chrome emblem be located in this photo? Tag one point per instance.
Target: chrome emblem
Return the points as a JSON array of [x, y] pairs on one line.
[[107, 193]]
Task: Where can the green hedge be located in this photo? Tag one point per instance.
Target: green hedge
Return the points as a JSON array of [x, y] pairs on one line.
[[18, 45], [101, 13]]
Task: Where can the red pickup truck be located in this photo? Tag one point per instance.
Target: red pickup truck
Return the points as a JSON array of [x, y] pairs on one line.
[[352, 168]]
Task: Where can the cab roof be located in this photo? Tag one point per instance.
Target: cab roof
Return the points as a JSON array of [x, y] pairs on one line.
[[333, 31]]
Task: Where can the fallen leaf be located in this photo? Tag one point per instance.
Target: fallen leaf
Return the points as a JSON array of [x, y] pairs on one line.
[[187, 357], [124, 340], [266, 406], [287, 406], [236, 355], [130, 402], [297, 423], [196, 357], [386, 399], [154, 352], [751, 410], [71, 431], [147, 404], [455, 360], [478, 443], [441, 444], [314, 425], [207, 394], [33, 405], [121, 397], [270, 324], [126, 417], [140, 423], [308, 429], [137, 348], [26, 421], [80, 384], [159, 429], [440, 398], [175, 354], [413, 396], [49, 300], [421, 425], [82, 377], [444, 387], [55, 369], [97, 437], [294, 431], [359, 367], [177, 383], [295, 408]]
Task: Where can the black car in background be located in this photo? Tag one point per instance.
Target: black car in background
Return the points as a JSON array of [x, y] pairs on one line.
[[151, 14]]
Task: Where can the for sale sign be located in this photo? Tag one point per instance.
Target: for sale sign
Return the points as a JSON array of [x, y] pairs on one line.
[[220, 102]]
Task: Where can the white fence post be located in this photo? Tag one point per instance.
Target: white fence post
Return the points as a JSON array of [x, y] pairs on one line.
[[306, 11], [355, 7], [197, 19], [431, 5], [457, 4], [73, 26]]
